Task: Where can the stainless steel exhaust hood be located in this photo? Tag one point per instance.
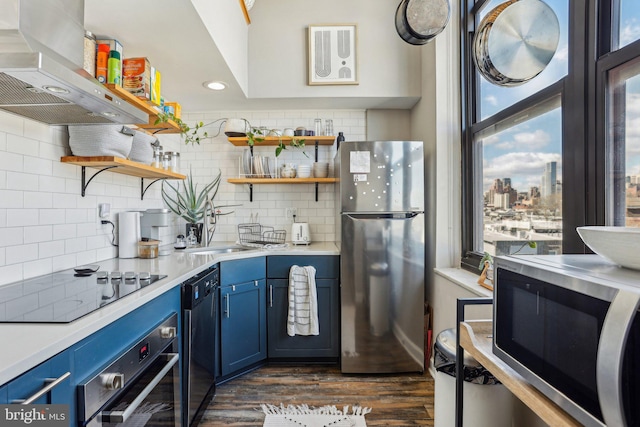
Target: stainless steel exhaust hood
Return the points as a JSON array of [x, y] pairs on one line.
[[41, 74]]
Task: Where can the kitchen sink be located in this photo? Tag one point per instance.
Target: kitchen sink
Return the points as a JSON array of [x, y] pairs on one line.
[[215, 250]]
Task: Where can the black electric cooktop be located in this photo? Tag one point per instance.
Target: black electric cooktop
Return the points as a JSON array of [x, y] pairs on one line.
[[66, 296]]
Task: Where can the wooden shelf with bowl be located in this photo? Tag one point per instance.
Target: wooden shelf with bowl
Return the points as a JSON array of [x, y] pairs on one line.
[[273, 141], [121, 166], [165, 127]]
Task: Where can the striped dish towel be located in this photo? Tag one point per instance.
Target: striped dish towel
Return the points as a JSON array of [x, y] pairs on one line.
[[302, 316]]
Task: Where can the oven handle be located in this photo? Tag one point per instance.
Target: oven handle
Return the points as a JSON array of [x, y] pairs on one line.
[[122, 416], [51, 384]]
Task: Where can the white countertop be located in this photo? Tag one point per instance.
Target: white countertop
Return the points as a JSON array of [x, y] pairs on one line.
[[26, 345]]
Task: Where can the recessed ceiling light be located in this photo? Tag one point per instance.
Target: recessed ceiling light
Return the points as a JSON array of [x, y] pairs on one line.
[[215, 85], [55, 89]]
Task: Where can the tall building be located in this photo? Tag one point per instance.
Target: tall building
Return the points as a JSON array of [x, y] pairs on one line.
[[549, 180]]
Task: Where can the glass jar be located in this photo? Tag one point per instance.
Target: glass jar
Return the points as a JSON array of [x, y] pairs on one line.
[[89, 61], [158, 156], [174, 162], [166, 160]]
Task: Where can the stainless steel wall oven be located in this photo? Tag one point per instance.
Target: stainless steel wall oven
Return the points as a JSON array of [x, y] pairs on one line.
[[141, 386]]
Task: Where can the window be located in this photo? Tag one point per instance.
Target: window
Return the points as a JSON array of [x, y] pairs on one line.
[[521, 195], [623, 142], [577, 123]]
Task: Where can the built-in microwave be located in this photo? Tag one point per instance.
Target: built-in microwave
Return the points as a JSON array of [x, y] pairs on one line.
[[570, 325]]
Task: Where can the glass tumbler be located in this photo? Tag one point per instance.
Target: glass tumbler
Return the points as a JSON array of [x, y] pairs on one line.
[[328, 123], [318, 126]]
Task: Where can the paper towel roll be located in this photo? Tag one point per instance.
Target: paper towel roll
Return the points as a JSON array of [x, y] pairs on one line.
[[128, 234]]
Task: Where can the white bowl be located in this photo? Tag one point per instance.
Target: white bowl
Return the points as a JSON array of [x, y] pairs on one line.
[[617, 244]]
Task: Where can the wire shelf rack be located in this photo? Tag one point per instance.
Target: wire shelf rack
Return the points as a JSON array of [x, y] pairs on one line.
[[258, 236]]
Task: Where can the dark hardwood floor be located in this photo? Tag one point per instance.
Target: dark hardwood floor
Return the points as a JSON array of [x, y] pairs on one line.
[[395, 400]]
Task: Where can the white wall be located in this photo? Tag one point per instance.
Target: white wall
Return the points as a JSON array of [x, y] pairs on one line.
[[388, 67]]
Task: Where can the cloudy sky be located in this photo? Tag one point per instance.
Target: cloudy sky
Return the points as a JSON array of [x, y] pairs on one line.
[[521, 152]]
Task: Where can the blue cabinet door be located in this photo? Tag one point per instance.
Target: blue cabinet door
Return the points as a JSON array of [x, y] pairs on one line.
[[243, 325], [58, 370], [324, 345]]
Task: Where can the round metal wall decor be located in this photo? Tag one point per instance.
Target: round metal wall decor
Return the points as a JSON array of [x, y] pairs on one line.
[[419, 21], [516, 41]]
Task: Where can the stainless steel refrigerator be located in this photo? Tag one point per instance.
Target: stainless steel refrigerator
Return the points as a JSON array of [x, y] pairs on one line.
[[380, 222]]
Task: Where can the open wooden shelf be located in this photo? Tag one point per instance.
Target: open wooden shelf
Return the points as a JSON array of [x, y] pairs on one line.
[[476, 338], [282, 180], [121, 166], [165, 127], [272, 141]]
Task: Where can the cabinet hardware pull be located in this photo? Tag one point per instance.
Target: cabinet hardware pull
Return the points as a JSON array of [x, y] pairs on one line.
[[226, 311], [270, 295], [122, 416], [51, 384], [255, 283]]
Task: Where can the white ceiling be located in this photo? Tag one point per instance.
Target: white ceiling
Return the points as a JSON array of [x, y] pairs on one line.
[[171, 34]]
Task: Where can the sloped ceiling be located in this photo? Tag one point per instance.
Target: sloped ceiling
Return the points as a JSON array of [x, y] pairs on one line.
[[180, 43]]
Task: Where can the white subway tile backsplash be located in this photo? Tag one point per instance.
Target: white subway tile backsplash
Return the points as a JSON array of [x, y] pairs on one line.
[[21, 145], [11, 236], [11, 162], [75, 216], [51, 184], [22, 181], [53, 151], [86, 257], [64, 231], [48, 209], [51, 249], [75, 245], [22, 253], [22, 217], [63, 200], [64, 262], [38, 200], [11, 199], [38, 165], [42, 233], [37, 268]]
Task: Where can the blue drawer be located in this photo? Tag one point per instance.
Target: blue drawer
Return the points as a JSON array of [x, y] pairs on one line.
[[242, 270], [327, 266]]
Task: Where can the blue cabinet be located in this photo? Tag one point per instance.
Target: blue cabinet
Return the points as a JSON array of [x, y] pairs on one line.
[[52, 378], [243, 323], [322, 347], [84, 358]]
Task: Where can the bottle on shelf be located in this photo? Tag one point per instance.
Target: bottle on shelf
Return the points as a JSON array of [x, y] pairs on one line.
[[102, 58], [339, 139], [114, 70]]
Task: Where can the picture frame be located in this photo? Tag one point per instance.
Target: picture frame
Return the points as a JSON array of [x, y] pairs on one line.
[[332, 54]]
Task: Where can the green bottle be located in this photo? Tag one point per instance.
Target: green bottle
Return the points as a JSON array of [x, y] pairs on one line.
[[114, 68]]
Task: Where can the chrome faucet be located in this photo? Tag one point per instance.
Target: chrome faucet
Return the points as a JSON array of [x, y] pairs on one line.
[[207, 231]]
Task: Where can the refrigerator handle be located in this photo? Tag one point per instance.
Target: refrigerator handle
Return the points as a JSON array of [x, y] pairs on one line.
[[388, 215]]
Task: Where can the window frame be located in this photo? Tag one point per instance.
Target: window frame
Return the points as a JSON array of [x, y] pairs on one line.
[[583, 99]]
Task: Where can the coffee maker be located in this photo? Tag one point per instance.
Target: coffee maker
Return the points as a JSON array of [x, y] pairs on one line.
[[150, 222]]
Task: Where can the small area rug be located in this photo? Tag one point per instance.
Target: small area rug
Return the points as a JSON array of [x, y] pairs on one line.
[[306, 416]]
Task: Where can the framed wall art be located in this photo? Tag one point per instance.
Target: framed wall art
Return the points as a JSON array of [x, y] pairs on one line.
[[333, 56]]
